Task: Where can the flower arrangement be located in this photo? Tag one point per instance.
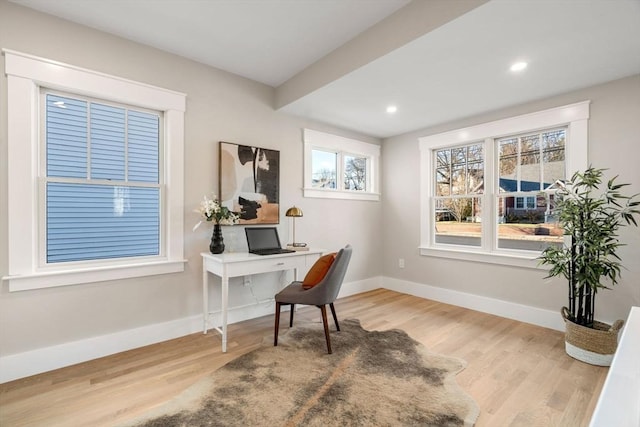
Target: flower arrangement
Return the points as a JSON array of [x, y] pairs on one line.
[[211, 210]]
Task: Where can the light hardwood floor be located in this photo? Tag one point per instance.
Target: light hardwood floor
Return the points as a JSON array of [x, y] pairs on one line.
[[518, 373]]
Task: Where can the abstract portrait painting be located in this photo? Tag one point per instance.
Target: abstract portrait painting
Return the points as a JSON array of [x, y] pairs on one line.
[[250, 182]]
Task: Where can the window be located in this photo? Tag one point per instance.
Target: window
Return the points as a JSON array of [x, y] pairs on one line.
[[487, 191], [341, 168], [324, 169], [529, 164], [91, 160], [459, 178], [102, 191], [526, 203], [355, 172]]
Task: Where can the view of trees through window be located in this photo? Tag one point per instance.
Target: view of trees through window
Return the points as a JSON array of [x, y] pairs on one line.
[[325, 170], [324, 166], [459, 176], [355, 173], [528, 168]]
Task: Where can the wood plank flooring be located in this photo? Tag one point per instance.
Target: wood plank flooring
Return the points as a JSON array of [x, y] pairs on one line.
[[518, 373]]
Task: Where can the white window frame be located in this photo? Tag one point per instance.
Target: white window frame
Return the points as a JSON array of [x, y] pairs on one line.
[[525, 202], [316, 140], [574, 117], [26, 75]]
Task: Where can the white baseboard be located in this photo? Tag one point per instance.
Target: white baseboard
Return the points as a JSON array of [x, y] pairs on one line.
[[353, 288], [45, 359], [523, 313]]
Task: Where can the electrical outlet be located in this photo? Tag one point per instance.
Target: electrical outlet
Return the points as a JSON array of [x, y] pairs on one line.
[[401, 262]]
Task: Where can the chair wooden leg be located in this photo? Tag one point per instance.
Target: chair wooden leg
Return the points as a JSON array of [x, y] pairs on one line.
[[335, 318], [277, 327], [323, 309], [293, 308]]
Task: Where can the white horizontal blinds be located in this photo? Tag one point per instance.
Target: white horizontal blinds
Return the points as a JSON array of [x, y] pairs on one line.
[[102, 192]]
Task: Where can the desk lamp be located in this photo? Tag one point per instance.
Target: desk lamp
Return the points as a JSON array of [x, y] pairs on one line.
[[293, 213]]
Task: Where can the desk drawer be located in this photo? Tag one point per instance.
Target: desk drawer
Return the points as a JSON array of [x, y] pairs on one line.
[[266, 265]]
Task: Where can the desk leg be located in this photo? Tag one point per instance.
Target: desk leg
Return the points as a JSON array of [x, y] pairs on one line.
[[205, 297], [224, 303]]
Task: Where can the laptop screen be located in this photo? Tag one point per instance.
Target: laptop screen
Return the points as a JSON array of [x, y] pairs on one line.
[[259, 238]]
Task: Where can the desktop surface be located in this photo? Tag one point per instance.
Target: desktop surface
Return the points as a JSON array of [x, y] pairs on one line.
[[226, 257]]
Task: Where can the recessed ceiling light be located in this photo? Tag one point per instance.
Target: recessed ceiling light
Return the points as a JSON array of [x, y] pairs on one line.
[[392, 109], [518, 66]]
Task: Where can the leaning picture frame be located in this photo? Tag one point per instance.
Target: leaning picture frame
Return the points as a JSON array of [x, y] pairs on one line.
[[249, 182]]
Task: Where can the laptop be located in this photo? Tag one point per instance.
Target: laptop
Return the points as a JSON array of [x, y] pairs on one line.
[[264, 241]]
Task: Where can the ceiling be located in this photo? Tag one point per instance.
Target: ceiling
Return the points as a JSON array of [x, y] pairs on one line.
[[455, 68]]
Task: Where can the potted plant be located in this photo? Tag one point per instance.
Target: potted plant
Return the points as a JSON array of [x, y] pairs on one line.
[[590, 218]]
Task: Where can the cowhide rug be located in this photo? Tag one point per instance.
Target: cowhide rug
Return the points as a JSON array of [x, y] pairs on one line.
[[373, 378]]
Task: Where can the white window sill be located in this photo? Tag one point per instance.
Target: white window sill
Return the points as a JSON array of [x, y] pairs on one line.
[[50, 279], [523, 260], [339, 194]]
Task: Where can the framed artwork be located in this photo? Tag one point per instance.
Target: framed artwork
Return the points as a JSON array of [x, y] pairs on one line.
[[250, 182]]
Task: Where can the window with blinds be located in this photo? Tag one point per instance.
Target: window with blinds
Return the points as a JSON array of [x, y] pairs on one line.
[[103, 176]]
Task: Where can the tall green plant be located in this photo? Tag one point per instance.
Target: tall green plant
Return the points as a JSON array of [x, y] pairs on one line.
[[590, 219]]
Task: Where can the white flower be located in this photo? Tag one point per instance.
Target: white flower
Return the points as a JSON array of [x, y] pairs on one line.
[[211, 210]]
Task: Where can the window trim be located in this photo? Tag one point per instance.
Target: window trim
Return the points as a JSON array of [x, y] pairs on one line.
[[574, 117], [26, 75], [343, 146]]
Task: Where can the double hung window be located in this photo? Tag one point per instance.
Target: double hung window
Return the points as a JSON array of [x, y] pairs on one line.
[[459, 179], [102, 180], [488, 191], [529, 166]]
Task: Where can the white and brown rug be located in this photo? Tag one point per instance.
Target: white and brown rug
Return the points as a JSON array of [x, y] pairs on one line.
[[372, 379]]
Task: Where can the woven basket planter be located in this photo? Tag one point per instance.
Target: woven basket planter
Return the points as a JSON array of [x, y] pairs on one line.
[[596, 345]]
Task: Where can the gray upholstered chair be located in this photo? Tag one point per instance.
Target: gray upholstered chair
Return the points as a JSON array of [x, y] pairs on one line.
[[325, 292]]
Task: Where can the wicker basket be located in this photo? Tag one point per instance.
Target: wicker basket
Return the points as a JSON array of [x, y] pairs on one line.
[[595, 345]]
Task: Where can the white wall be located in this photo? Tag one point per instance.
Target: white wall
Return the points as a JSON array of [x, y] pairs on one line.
[[614, 142], [94, 319], [220, 107]]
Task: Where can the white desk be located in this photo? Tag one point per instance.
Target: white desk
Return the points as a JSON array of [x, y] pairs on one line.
[[228, 265]]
